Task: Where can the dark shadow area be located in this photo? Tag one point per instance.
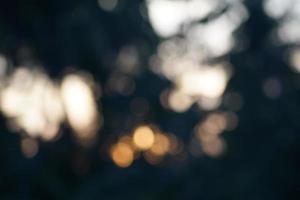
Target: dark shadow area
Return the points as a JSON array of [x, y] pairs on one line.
[[110, 99]]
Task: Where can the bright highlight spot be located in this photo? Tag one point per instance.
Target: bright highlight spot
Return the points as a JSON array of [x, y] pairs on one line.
[[209, 82], [37, 105], [277, 8], [32, 102], [143, 137], [168, 16], [122, 154], [80, 105]]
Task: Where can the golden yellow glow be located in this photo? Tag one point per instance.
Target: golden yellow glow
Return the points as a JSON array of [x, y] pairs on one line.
[[29, 147], [161, 144], [80, 106], [126, 139], [143, 137], [122, 154]]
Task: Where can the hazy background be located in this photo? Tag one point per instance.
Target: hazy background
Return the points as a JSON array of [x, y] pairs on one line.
[[150, 99]]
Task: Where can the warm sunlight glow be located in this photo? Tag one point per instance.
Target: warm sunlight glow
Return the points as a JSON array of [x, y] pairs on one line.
[[143, 137], [122, 154], [161, 144]]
